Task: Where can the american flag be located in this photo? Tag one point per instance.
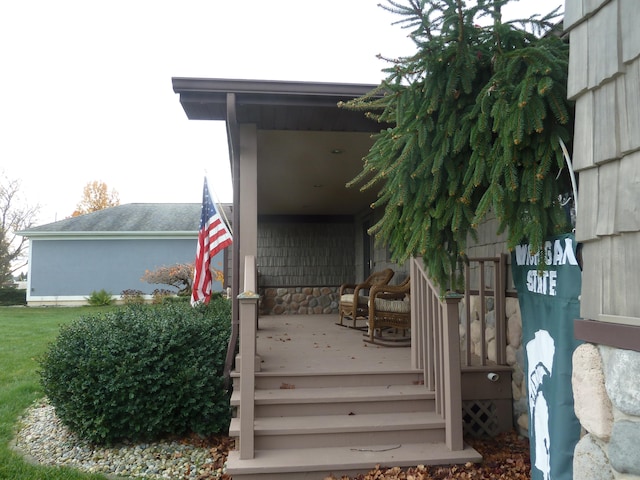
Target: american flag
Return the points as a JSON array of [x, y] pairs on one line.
[[213, 237]]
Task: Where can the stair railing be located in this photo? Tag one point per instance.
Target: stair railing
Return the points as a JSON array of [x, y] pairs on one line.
[[435, 348], [496, 269], [248, 315]]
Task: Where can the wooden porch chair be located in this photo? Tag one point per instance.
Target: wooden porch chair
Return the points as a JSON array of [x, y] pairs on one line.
[[390, 315], [354, 297]]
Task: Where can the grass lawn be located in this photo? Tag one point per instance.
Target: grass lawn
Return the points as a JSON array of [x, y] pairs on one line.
[[24, 335]]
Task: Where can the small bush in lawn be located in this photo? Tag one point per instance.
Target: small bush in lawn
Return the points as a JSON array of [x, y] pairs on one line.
[[141, 372], [100, 298], [132, 297], [160, 294]]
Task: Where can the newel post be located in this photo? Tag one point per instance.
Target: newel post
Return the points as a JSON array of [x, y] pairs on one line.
[[452, 373], [248, 315]]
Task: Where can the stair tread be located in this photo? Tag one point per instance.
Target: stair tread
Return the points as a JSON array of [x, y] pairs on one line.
[[337, 394], [342, 373], [342, 459], [341, 423]]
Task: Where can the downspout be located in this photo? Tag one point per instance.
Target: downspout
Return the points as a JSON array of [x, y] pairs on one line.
[[233, 138]]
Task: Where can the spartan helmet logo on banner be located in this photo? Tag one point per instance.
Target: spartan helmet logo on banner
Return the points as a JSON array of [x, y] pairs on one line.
[[540, 353]]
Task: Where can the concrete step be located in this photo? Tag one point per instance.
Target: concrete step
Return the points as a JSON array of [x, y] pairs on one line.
[[340, 400], [318, 463], [344, 430]]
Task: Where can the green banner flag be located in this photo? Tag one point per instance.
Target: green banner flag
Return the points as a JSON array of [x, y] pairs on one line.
[[548, 293]]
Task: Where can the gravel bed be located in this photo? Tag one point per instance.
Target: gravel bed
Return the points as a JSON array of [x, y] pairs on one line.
[[45, 440]]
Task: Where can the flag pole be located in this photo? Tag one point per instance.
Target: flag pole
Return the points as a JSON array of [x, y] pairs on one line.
[[218, 204]]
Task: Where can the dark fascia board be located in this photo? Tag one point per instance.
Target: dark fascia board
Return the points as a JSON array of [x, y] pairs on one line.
[[269, 87], [206, 98]]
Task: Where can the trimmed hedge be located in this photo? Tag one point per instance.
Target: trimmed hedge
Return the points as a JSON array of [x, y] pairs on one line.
[[13, 296], [141, 372]]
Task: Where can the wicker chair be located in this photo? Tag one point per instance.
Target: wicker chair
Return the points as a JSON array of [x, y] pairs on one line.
[[390, 314], [353, 297]]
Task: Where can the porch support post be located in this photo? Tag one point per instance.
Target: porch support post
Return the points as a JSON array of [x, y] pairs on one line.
[[248, 300], [248, 190], [452, 374]]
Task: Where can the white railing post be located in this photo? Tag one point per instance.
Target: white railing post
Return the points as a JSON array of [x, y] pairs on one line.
[[248, 309]]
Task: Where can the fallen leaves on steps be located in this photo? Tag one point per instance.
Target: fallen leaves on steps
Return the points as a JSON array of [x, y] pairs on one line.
[[505, 457]]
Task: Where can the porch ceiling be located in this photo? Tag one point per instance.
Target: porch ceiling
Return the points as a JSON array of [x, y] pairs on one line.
[[304, 173], [308, 148]]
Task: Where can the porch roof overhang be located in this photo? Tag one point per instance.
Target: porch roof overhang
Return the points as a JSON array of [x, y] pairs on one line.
[[274, 105], [308, 147]]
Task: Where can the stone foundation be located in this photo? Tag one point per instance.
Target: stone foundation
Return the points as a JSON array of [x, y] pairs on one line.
[[606, 389], [299, 300]]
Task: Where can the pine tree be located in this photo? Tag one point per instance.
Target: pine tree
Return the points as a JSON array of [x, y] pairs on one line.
[[474, 118]]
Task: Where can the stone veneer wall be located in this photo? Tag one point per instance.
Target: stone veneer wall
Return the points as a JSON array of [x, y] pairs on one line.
[[299, 300], [515, 351], [606, 390]]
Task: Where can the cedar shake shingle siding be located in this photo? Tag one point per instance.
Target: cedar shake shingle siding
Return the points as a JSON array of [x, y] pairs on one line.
[[301, 251], [604, 79]]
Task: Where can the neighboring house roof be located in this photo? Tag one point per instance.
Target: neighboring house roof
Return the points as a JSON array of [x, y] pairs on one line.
[[131, 219]]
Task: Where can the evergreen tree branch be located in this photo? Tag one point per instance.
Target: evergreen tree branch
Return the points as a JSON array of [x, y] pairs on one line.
[[473, 120]]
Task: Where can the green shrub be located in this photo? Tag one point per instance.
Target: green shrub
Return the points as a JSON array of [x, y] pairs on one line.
[[13, 296], [141, 372], [100, 298], [176, 299]]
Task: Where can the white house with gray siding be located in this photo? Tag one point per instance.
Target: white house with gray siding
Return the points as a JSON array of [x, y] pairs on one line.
[[110, 249]]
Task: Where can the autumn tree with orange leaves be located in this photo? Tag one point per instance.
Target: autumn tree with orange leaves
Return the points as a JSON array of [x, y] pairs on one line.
[[96, 196], [179, 276]]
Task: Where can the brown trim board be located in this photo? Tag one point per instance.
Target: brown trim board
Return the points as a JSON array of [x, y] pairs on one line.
[[612, 334]]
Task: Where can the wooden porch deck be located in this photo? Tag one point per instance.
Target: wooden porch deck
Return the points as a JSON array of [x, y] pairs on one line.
[[314, 343]]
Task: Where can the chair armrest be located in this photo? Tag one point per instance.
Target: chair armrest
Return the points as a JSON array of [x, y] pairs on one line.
[[346, 286], [390, 296], [390, 291]]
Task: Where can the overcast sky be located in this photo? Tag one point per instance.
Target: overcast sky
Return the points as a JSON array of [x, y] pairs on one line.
[[86, 85]]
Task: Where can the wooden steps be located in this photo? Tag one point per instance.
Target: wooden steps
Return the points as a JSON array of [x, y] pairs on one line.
[[318, 463], [310, 425], [339, 400], [345, 430]]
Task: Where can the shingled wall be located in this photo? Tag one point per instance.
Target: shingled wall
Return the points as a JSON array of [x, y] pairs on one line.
[[302, 261]]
